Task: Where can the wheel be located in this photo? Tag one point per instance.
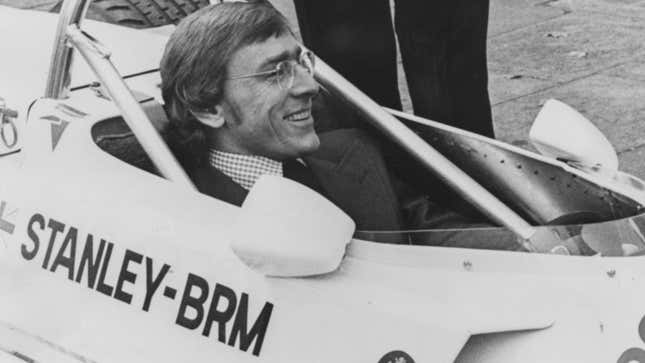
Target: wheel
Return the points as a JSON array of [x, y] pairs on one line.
[[140, 13]]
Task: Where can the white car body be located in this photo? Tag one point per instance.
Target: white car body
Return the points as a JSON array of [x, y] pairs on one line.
[[102, 262]]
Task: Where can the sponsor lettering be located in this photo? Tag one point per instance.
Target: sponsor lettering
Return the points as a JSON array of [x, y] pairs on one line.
[[212, 309], [195, 302]]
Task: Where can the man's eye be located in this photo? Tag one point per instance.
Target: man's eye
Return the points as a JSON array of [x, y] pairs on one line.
[[274, 75], [281, 70]]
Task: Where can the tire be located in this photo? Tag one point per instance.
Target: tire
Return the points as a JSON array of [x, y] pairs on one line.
[[140, 13]]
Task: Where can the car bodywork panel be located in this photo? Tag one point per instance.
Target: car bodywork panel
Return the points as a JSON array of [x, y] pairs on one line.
[[29, 49]]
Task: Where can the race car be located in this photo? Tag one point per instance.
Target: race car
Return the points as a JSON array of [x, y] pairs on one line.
[[107, 253]]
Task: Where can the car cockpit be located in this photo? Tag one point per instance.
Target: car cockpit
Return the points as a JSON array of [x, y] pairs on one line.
[[539, 189]]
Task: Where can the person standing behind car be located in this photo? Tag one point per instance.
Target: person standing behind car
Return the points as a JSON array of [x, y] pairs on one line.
[[443, 49]]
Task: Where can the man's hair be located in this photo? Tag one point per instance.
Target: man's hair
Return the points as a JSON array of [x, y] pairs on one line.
[[194, 65]]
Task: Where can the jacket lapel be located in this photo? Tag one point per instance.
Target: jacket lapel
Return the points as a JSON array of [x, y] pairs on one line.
[[213, 182], [357, 181]]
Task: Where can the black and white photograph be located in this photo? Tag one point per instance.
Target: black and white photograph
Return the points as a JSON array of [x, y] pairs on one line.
[[294, 181]]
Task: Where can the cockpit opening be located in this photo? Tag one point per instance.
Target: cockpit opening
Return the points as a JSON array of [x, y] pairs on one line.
[[541, 192]]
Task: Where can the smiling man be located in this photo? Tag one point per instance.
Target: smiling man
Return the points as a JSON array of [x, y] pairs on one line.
[[238, 88]]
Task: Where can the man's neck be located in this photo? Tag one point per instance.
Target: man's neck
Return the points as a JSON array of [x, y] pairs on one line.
[[244, 169]]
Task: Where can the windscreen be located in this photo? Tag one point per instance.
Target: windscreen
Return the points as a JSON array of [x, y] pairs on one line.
[[623, 237]]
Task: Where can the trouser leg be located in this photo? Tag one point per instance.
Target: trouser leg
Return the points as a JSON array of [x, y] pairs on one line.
[[356, 38], [443, 46]]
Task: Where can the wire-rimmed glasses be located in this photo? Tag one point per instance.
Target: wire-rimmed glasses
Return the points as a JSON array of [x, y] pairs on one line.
[[284, 72]]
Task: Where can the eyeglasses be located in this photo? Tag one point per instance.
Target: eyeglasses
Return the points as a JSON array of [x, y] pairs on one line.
[[284, 72]]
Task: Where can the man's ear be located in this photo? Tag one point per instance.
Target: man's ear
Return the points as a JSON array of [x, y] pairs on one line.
[[213, 117]]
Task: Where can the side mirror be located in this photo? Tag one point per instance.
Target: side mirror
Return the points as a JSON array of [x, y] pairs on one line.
[[561, 132], [285, 229]]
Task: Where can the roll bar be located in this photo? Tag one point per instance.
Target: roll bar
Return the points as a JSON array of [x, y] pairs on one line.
[[69, 36], [58, 80]]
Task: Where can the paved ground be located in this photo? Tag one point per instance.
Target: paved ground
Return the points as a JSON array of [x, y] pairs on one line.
[[587, 53]]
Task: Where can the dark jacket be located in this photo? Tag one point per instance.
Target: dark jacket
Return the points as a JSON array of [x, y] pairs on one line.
[[351, 172]]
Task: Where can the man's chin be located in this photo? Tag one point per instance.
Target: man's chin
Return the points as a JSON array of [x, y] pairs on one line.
[[309, 145]]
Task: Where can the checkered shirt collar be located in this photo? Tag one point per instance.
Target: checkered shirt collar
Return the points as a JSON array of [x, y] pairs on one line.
[[244, 169]]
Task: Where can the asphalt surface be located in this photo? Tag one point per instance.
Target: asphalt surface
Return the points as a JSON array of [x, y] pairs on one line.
[[587, 53]]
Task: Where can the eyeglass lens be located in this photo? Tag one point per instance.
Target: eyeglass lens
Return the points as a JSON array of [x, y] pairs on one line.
[[287, 70]]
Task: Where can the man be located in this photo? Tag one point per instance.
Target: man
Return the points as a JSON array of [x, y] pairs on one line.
[[239, 90]]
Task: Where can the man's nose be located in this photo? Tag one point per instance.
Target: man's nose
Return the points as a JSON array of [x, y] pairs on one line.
[[304, 83]]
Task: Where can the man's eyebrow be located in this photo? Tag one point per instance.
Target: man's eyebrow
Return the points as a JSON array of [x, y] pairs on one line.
[[287, 54]]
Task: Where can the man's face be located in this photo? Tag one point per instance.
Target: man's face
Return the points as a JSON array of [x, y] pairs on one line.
[[261, 117]]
